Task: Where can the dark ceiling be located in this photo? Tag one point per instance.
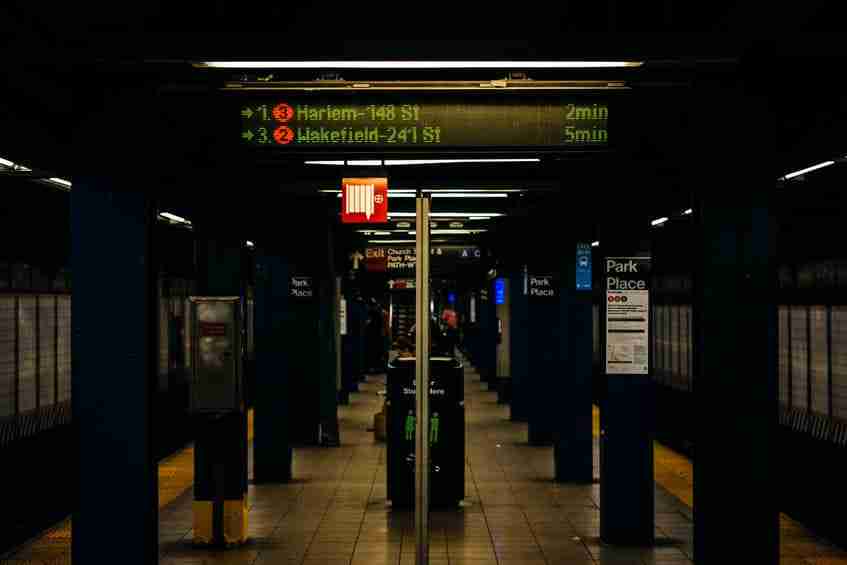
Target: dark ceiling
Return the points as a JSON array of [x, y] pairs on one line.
[[63, 61]]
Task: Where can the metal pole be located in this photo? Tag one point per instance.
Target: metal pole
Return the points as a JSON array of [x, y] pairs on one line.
[[422, 381]]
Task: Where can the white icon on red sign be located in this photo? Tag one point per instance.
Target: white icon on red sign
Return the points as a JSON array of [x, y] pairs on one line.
[[364, 200]]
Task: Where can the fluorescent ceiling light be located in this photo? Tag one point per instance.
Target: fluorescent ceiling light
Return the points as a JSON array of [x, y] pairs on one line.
[[391, 193], [249, 243], [473, 190], [465, 214], [659, 221], [480, 218], [471, 215], [411, 194], [515, 65], [62, 182], [391, 241], [469, 195], [174, 218], [12, 165], [687, 212], [808, 170], [451, 232], [390, 162], [595, 244]]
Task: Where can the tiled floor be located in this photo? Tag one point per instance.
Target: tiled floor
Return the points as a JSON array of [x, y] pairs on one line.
[[335, 511]]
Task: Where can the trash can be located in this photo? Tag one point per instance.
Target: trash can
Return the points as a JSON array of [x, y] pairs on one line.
[[446, 429]]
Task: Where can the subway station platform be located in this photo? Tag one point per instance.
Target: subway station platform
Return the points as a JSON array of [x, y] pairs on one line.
[[335, 510]]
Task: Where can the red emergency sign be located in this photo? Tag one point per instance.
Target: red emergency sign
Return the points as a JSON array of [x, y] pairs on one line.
[[364, 201]]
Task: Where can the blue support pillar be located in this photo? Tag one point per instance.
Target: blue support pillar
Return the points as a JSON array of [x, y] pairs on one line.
[[573, 439], [548, 347], [114, 351], [520, 346], [272, 451], [486, 341], [627, 429], [735, 338]]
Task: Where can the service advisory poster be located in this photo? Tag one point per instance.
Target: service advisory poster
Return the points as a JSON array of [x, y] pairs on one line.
[[627, 315]]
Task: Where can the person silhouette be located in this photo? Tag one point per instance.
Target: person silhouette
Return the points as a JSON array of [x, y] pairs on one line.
[[410, 426], [434, 425]]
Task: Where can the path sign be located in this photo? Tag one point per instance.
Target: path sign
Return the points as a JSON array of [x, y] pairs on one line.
[[627, 315], [364, 200]]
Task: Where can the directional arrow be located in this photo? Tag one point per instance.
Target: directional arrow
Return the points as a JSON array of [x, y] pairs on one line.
[[248, 135], [247, 113]]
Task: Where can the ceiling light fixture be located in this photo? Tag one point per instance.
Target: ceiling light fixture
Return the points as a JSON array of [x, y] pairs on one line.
[[417, 65], [66, 184], [471, 215], [687, 212], [174, 218], [391, 241], [400, 162], [412, 194], [790, 176], [14, 166], [659, 221], [390, 162], [595, 244], [469, 195], [451, 232]]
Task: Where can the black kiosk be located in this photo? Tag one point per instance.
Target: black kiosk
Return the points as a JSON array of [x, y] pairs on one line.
[[446, 432]]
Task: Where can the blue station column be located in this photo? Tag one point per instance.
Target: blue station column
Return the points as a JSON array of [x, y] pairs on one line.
[[548, 345], [114, 313], [296, 384], [627, 488], [573, 441], [272, 450], [735, 339], [557, 387], [519, 342]]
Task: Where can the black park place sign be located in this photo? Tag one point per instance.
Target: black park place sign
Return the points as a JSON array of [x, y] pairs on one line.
[[301, 288], [542, 286]]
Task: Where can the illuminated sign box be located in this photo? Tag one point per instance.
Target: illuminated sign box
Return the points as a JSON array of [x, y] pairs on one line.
[[414, 120], [500, 291]]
